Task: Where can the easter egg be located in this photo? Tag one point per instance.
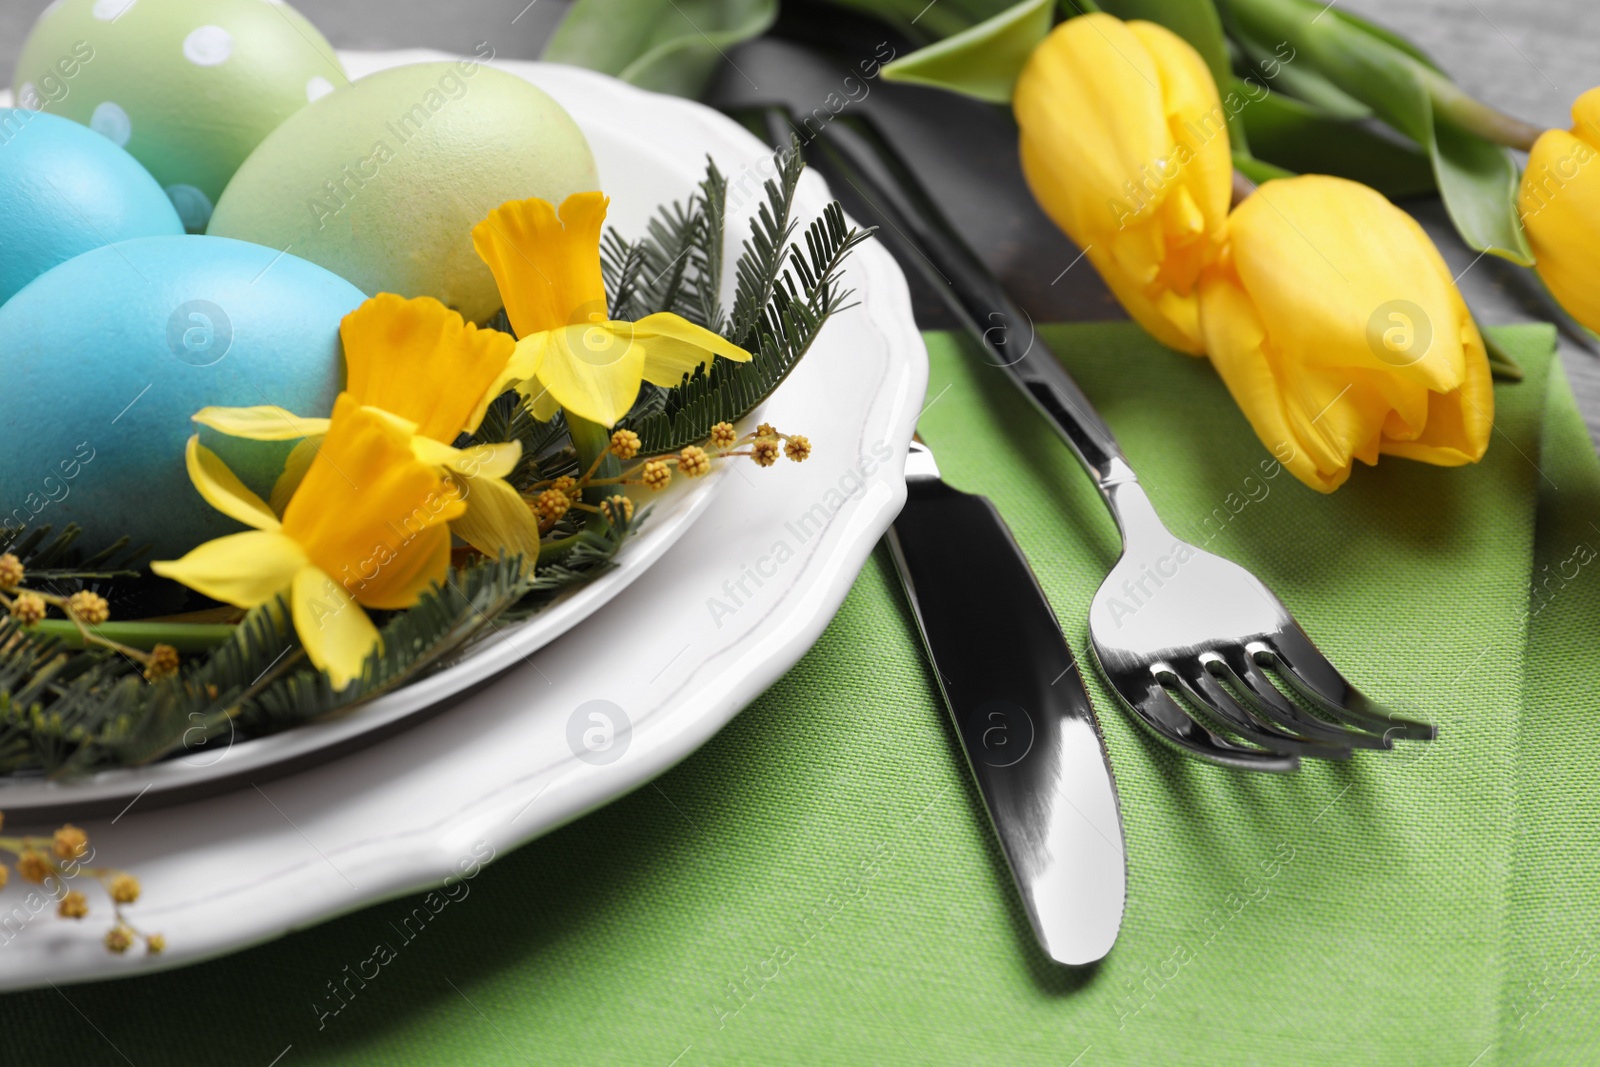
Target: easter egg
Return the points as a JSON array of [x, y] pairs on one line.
[[64, 189], [382, 181], [188, 87], [107, 356]]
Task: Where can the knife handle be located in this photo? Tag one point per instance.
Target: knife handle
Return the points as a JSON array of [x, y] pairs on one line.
[[1018, 704]]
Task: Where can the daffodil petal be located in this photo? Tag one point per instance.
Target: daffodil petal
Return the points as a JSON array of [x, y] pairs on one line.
[[223, 490], [497, 519], [265, 422], [420, 360], [594, 371], [336, 633], [369, 513], [674, 346], [422, 562], [540, 402], [294, 472], [547, 269], [479, 461], [244, 569], [488, 461]]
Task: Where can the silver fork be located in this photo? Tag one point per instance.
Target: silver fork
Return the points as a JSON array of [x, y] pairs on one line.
[[1172, 624]]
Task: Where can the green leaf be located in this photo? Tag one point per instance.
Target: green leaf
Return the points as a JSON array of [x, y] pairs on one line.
[[981, 62], [1501, 363], [1306, 140], [670, 46], [924, 23], [1476, 178]]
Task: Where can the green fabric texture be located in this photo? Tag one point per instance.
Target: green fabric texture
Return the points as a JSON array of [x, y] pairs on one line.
[[818, 884]]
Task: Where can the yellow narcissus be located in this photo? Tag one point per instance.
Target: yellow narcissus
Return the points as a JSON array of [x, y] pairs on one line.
[[417, 360], [367, 527], [1336, 326], [1560, 206], [1124, 144], [570, 354]]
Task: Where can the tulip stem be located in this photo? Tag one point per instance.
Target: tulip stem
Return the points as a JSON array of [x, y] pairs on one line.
[[1473, 115]]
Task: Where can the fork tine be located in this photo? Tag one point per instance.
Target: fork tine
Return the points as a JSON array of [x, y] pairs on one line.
[[1172, 724], [1309, 671], [1238, 668], [1203, 689]]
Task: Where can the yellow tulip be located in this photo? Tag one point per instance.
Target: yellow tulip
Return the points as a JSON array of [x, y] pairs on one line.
[[1124, 144], [366, 527], [1336, 326], [570, 354], [421, 362], [1560, 206]]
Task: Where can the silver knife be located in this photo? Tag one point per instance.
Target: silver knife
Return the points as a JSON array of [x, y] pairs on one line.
[[1019, 706]]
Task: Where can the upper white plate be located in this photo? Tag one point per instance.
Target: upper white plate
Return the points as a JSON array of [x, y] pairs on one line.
[[599, 711], [641, 168]]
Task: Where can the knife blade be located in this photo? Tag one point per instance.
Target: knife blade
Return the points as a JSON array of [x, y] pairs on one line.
[[1018, 704]]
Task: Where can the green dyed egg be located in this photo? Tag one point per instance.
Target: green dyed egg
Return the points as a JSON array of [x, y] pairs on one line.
[[188, 87], [382, 181]]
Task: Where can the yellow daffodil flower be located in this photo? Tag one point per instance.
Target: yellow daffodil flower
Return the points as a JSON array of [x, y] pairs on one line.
[[417, 360], [569, 353], [1560, 206], [1125, 146], [1336, 326], [367, 527]]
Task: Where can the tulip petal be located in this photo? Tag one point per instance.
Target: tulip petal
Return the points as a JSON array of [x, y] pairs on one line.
[[1459, 422], [497, 520], [1236, 340], [223, 490], [1559, 202], [265, 422], [336, 633], [547, 269], [244, 569]]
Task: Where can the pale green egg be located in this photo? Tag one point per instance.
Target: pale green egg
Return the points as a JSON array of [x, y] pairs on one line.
[[382, 181], [188, 87]]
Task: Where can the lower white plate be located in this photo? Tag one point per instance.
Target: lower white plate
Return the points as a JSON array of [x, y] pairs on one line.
[[597, 712]]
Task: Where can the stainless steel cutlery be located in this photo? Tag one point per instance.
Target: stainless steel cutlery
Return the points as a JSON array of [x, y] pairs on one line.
[[1206, 636], [1020, 709]]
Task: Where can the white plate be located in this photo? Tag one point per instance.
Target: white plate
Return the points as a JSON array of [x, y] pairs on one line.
[[640, 169], [723, 614]]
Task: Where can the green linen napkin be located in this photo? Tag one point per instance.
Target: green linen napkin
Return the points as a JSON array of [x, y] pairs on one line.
[[818, 884]]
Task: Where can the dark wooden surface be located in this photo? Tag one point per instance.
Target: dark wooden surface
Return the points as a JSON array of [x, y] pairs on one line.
[[1531, 57]]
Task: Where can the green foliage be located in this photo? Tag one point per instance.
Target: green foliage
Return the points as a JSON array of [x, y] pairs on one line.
[[671, 46], [984, 61], [783, 296]]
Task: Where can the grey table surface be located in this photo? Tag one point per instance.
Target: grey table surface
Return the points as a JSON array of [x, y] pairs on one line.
[[1530, 57]]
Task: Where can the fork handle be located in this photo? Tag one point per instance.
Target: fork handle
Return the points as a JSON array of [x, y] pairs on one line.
[[914, 224]]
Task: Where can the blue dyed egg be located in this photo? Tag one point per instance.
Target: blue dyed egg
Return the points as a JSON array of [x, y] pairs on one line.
[[64, 189], [105, 358]]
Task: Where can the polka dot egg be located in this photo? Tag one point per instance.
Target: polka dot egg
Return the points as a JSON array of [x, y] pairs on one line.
[[188, 87]]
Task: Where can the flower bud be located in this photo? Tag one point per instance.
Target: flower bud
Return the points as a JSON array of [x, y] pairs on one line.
[[1335, 324], [1125, 145], [1560, 206]]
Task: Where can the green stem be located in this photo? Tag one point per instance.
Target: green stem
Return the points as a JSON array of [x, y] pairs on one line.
[[1474, 116], [1374, 71], [592, 441], [185, 637]]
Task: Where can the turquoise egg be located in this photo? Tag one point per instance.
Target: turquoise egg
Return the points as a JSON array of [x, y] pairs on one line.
[[106, 357], [64, 189]]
